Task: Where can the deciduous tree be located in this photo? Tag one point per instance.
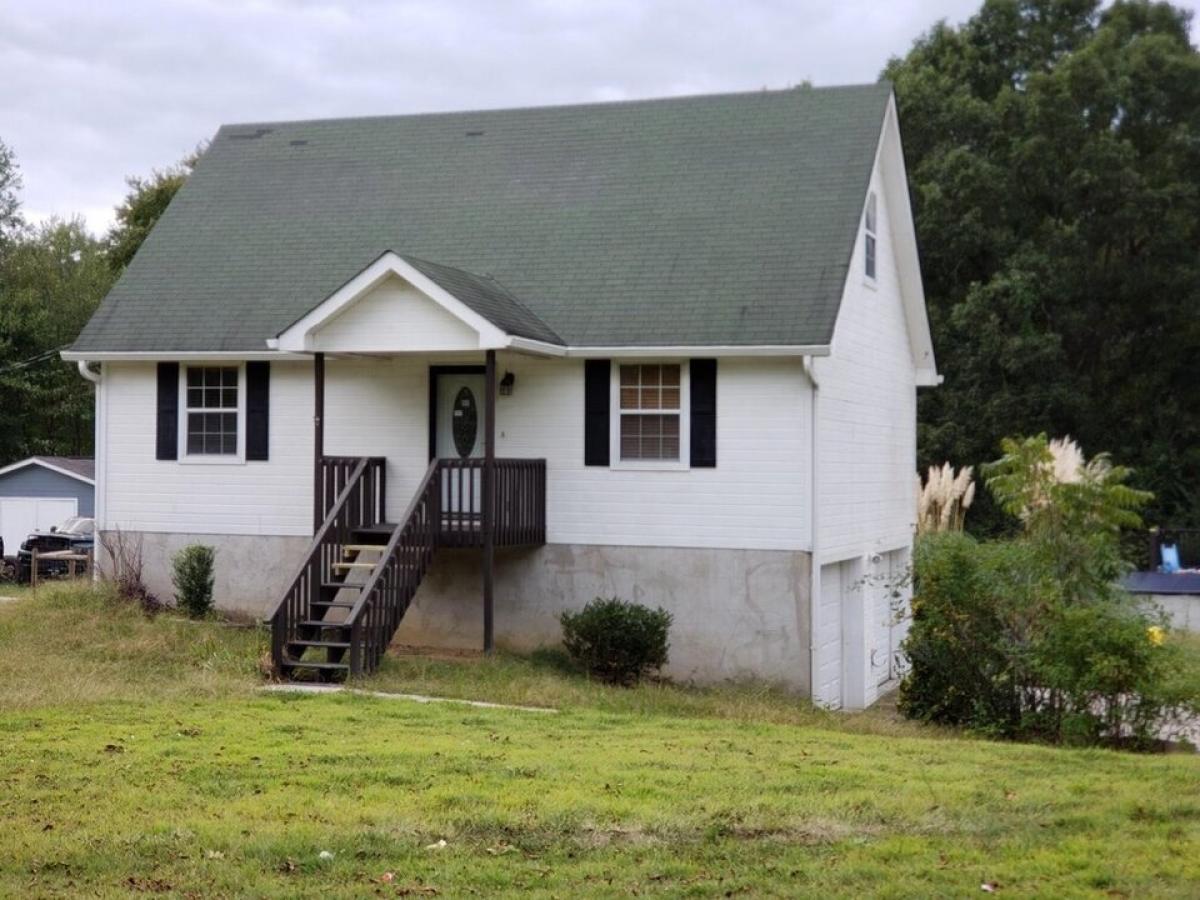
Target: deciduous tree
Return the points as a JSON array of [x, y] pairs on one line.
[[1054, 153]]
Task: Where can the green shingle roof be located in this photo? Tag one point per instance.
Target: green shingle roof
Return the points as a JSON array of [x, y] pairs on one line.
[[725, 219], [487, 297]]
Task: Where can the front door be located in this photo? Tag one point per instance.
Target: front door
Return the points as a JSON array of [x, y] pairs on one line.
[[458, 434]]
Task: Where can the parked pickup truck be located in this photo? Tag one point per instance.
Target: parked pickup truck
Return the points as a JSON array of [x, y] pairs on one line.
[[75, 535]]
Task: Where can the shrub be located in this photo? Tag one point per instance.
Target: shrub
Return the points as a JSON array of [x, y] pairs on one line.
[[998, 646], [616, 641], [193, 579], [1030, 637]]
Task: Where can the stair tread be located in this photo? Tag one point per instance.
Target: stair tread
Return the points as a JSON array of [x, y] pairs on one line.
[[354, 565], [377, 528], [341, 585], [313, 664], [321, 623], [336, 645], [333, 604], [363, 548]]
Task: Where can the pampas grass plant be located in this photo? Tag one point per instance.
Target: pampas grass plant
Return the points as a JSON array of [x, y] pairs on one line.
[[944, 499]]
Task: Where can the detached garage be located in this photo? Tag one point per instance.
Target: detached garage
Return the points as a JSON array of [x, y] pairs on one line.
[[41, 492]]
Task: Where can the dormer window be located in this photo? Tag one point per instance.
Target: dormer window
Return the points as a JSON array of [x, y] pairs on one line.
[[869, 228], [869, 243]]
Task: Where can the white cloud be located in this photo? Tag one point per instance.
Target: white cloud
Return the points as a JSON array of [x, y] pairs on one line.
[[93, 92]]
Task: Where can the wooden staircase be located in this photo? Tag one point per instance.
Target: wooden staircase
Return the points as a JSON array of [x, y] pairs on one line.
[[358, 578]]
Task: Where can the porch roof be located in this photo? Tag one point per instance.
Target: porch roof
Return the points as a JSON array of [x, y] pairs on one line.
[[488, 297]]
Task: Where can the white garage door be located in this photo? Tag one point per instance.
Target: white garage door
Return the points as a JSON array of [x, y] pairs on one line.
[[21, 515], [892, 615]]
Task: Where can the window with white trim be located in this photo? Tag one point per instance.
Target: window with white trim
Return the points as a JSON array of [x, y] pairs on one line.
[[211, 411], [869, 228], [651, 412]]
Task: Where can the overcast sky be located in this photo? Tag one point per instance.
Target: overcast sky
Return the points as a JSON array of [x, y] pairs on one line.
[[94, 90]]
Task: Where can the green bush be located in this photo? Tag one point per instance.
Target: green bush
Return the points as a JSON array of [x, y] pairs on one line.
[[193, 579], [998, 646], [616, 641], [1030, 637]]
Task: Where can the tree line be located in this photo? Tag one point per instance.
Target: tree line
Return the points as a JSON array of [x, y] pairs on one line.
[[1053, 151], [52, 277]]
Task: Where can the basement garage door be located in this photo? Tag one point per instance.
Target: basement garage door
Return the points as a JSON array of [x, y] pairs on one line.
[[19, 516]]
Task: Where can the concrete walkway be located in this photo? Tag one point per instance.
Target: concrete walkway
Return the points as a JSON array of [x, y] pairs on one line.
[[414, 698]]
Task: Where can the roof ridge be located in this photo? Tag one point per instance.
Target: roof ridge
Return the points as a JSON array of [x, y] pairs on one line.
[[881, 84]]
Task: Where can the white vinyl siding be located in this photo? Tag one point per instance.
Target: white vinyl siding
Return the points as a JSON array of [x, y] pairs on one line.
[[395, 316], [144, 494], [756, 499], [867, 429]]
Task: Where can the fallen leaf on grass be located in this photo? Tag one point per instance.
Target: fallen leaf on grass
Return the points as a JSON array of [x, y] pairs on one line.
[[214, 854], [989, 887], [502, 847], [437, 846], [387, 877]]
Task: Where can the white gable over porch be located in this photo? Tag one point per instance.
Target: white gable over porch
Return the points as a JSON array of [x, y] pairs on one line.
[[391, 307], [394, 316]]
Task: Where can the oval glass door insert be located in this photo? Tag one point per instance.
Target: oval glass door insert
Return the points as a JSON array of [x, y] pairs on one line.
[[466, 422]]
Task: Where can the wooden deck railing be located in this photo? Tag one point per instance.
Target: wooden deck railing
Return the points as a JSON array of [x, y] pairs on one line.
[[358, 502], [335, 472], [519, 508]]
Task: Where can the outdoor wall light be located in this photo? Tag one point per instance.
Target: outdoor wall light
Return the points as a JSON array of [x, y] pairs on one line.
[[506, 384]]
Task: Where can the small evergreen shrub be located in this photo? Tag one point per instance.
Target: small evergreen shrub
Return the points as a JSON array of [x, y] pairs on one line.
[[193, 579], [615, 641]]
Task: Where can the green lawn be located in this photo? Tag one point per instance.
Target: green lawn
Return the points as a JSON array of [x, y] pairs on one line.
[[138, 755]]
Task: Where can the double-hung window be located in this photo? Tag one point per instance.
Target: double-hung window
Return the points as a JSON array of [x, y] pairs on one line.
[[869, 229], [212, 411], [650, 399]]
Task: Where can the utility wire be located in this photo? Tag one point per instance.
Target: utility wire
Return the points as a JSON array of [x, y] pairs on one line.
[[34, 360]]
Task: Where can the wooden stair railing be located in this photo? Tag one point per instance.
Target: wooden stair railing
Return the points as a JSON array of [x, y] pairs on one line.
[[358, 502], [367, 571], [387, 593]]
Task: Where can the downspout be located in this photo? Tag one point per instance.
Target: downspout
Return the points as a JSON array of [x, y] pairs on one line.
[[100, 454], [86, 370], [814, 575]]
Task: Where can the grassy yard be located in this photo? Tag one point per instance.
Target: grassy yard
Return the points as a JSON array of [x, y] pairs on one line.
[[139, 755]]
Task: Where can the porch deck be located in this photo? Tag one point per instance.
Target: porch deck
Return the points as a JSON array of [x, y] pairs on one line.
[[518, 505]]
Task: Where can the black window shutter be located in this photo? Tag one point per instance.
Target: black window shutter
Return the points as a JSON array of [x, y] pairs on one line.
[[704, 413], [167, 443], [597, 387], [258, 410]]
